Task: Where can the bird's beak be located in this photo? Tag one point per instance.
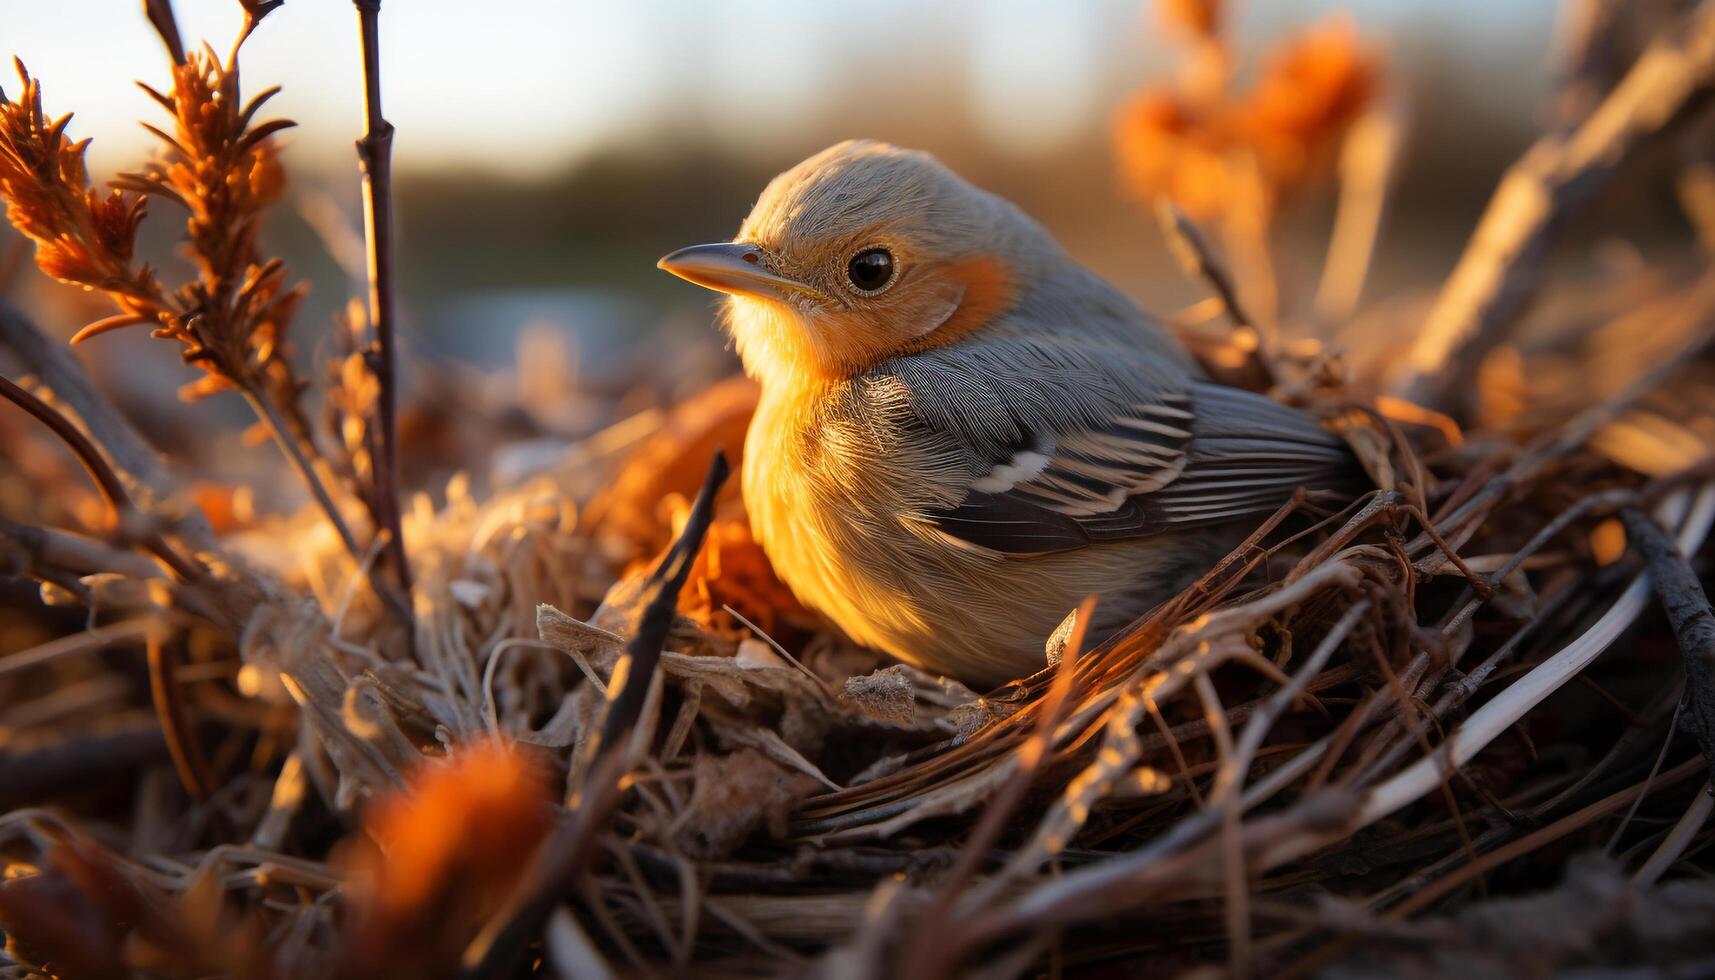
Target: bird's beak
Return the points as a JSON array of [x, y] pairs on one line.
[[732, 267]]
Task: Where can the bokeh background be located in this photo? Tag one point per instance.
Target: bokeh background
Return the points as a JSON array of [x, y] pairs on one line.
[[549, 152]]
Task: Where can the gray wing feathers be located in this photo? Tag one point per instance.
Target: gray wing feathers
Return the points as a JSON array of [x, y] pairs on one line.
[[1062, 446], [1249, 455], [1000, 393]]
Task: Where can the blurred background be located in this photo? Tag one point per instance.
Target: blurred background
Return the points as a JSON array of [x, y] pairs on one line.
[[549, 152]]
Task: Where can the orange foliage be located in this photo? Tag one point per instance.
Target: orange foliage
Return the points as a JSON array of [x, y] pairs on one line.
[[1196, 18], [1311, 89], [228, 507], [221, 167], [644, 509], [628, 515], [439, 858], [732, 570], [1167, 146], [1206, 146]]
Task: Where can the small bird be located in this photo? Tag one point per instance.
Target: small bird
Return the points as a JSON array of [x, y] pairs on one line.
[[962, 432]]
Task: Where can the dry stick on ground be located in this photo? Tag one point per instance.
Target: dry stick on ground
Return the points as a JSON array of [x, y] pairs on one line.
[[1687, 607], [375, 153], [182, 745], [933, 951], [181, 740], [61, 556], [1499, 272], [495, 949]]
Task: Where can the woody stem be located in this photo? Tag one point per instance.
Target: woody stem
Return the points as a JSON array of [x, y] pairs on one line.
[[375, 154]]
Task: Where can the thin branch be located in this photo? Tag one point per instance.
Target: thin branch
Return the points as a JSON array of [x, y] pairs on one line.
[[283, 438], [1687, 607], [1498, 275], [1368, 157], [138, 464], [289, 445], [182, 744], [1531, 842], [125, 513], [375, 154], [1197, 258], [1690, 824], [935, 949], [45, 552], [1241, 358], [1503, 711]]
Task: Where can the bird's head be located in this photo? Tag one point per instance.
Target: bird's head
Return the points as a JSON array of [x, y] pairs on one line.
[[863, 252]]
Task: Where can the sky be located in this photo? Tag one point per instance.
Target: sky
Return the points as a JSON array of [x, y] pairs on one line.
[[528, 86]]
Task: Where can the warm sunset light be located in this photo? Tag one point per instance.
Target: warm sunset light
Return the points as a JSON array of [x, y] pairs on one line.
[[979, 489]]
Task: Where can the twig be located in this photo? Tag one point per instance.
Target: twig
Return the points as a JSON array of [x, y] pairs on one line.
[[1688, 826], [1500, 713], [643, 652], [1199, 261], [87, 641], [107, 481], [932, 952], [1235, 875], [1592, 53], [270, 418], [1432, 891], [49, 551], [181, 740], [1698, 302], [1497, 276], [27, 778], [492, 952], [1530, 842], [375, 154], [182, 745], [1257, 728], [1687, 607], [138, 464], [293, 449], [1367, 159]]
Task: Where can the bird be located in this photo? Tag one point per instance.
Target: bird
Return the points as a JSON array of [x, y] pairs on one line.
[[962, 432]]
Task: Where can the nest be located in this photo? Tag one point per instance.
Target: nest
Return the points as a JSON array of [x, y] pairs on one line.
[[1437, 728]]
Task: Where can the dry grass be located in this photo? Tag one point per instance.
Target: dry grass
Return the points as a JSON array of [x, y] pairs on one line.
[[587, 733]]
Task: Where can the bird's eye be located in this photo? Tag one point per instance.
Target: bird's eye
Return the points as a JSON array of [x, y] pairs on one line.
[[870, 269]]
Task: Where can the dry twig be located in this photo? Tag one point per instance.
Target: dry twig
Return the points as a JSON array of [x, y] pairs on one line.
[[1501, 269]]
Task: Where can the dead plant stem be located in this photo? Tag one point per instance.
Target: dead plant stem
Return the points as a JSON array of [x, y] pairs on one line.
[[375, 154]]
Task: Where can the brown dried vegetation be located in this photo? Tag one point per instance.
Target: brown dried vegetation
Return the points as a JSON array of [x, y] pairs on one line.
[[598, 737]]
